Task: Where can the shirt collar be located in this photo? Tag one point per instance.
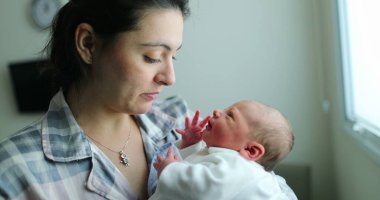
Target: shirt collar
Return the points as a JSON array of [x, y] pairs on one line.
[[159, 123], [63, 140]]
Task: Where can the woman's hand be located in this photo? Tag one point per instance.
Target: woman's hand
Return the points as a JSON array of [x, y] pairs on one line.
[[193, 131], [163, 162]]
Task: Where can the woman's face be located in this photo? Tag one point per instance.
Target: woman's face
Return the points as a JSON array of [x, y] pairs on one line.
[[128, 75]]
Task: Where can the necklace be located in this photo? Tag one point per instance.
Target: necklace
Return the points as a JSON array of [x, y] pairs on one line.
[[123, 157]]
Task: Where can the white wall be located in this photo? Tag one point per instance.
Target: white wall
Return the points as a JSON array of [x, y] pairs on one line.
[[274, 51], [356, 173], [264, 50], [20, 40]]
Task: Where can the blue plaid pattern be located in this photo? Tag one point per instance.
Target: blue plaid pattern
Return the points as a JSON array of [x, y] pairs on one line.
[[54, 159]]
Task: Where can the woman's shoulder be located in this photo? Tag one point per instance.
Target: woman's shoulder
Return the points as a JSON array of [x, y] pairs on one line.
[[17, 149], [23, 141]]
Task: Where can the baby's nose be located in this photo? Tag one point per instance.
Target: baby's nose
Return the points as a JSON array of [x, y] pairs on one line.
[[216, 113]]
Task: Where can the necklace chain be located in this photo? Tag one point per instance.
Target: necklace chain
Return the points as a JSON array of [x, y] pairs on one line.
[[123, 157]]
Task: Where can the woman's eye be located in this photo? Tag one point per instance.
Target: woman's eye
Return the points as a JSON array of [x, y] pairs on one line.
[[174, 58], [151, 60]]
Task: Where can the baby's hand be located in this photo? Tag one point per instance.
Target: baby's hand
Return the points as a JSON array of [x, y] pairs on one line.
[[193, 131], [163, 162]]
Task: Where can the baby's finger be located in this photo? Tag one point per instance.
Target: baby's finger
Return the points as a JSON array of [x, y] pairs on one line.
[[155, 165], [187, 122], [205, 121], [180, 131], [170, 153], [160, 158], [195, 118]]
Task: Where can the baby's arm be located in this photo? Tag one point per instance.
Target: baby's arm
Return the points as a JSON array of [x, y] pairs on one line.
[[193, 131], [203, 176], [163, 162]]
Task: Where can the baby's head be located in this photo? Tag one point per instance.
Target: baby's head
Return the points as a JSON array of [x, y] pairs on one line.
[[257, 131]]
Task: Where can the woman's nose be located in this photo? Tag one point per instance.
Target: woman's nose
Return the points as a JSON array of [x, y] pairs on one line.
[[166, 75]]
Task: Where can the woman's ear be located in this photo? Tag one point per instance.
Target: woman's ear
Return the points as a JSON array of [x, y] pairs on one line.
[[253, 151], [85, 42]]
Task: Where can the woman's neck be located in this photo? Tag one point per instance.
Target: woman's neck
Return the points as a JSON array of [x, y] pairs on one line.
[[93, 115]]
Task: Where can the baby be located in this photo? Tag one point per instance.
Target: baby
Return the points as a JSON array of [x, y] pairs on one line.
[[238, 150]]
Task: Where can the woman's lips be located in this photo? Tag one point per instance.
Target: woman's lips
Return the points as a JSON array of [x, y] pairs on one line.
[[150, 96]]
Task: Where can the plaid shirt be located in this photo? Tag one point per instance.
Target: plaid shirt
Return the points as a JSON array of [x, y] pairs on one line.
[[54, 158]]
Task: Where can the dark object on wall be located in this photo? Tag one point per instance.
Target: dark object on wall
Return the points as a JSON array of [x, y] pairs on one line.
[[31, 89]]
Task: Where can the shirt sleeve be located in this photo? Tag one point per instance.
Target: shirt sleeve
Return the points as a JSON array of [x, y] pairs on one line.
[[218, 174], [185, 152], [211, 177]]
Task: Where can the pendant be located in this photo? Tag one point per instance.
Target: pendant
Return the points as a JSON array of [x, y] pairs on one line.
[[124, 158]]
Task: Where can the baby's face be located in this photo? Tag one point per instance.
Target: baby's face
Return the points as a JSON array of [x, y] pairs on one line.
[[229, 128]]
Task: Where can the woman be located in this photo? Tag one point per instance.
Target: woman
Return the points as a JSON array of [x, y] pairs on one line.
[[111, 59]]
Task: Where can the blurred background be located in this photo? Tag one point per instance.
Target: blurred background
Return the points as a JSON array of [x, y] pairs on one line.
[[283, 53]]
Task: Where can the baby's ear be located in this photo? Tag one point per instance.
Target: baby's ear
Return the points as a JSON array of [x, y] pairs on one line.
[[252, 151]]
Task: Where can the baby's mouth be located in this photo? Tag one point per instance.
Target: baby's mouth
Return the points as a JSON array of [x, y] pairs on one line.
[[208, 126]]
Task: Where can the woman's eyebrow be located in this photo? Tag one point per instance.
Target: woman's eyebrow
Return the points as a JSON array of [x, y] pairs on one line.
[[167, 47]]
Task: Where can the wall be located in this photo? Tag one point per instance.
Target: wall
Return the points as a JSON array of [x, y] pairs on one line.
[[20, 40], [249, 49], [356, 173], [264, 50]]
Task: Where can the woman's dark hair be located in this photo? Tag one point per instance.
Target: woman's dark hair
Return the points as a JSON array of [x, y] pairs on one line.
[[107, 18]]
